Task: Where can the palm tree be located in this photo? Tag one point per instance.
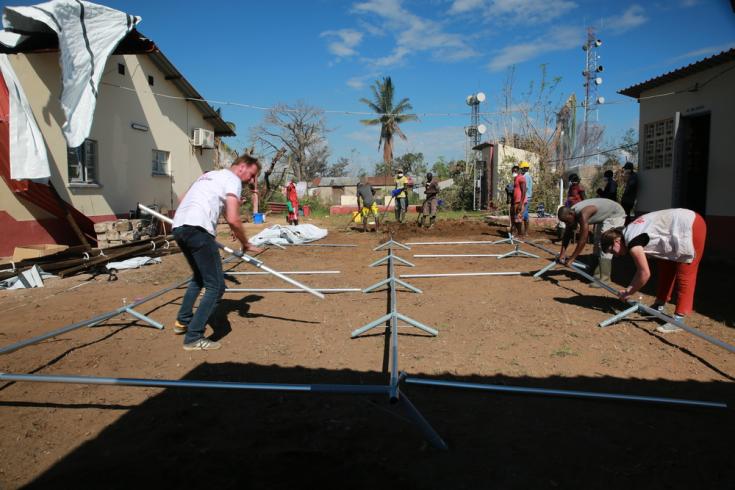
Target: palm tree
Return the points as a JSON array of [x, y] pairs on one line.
[[391, 116]]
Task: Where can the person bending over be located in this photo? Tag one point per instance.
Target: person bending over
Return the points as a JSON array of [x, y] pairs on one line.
[[604, 214], [675, 238]]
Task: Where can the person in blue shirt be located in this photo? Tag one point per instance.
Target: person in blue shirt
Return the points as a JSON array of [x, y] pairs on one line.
[[525, 167]]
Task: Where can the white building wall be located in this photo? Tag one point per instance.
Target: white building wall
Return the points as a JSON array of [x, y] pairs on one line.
[[717, 98], [124, 154]]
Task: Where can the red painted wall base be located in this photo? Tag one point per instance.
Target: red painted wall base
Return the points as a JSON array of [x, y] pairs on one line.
[[33, 232]]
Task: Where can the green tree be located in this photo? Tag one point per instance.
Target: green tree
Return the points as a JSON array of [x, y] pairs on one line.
[[411, 163], [440, 169], [391, 116]]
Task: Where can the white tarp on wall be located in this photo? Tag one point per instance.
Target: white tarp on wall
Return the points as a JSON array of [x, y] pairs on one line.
[[88, 33], [28, 158]]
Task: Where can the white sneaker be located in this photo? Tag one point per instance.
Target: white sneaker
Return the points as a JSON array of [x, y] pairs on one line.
[[669, 327], [203, 344]]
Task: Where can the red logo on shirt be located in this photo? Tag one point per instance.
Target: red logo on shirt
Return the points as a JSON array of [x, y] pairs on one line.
[[639, 221]]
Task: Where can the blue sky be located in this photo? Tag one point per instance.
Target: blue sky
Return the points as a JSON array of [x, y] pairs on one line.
[[327, 52]]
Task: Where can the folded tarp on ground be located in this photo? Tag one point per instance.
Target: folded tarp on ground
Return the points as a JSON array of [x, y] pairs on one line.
[[132, 263], [288, 235]]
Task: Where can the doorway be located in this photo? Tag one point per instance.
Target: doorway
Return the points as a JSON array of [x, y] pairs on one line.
[[693, 163]]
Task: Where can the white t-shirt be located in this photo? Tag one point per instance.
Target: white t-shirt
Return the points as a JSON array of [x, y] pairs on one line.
[[205, 199], [668, 234]]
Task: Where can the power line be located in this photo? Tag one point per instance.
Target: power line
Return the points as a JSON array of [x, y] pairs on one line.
[[601, 152], [331, 111]]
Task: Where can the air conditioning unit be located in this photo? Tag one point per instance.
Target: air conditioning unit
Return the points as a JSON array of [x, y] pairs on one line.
[[203, 138]]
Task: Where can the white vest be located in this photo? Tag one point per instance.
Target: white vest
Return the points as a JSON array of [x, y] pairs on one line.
[[669, 234]]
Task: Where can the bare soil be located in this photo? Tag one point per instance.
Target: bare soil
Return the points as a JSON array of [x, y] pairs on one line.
[[499, 330]]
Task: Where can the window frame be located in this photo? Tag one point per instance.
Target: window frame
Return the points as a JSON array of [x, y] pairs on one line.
[[86, 158], [154, 162]]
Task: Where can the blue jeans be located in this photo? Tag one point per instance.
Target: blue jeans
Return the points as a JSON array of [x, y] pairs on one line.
[[202, 254], [401, 207]]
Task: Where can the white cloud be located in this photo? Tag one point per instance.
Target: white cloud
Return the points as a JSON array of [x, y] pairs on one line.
[[462, 6], [359, 83], [524, 12], [344, 42], [633, 17], [558, 39], [514, 13], [704, 52], [413, 34]]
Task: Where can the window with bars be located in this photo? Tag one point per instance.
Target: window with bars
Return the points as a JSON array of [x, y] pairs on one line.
[[160, 162], [82, 163], [658, 144]]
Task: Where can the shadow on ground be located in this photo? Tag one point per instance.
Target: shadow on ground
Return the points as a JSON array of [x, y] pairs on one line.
[[227, 439]]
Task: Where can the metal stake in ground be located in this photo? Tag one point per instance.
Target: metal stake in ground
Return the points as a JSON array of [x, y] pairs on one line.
[[244, 257]]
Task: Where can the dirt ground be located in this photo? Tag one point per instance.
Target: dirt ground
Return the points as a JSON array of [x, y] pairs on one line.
[[500, 330]]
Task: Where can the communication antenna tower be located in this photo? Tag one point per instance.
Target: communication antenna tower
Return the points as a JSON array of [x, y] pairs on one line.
[[474, 132]]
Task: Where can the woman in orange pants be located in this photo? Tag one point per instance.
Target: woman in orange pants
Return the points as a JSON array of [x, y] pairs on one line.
[[675, 237]]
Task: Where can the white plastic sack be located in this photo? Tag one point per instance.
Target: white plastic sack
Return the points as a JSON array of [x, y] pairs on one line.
[[88, 33], [28, 158], [133, 263], [288, 235]]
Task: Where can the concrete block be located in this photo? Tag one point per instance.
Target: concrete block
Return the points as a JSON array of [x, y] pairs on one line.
[[123, 225], [100, 227]]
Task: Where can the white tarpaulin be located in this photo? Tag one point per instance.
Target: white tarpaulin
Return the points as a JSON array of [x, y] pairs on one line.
[[88, 33], [28, 158], [287, 235], [132, 263]]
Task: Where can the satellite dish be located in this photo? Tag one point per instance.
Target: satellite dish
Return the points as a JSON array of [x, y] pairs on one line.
[[598, 81], [480, 96], [598, 43], [481, 128], [600, 100], [599, 68], [469, 99]]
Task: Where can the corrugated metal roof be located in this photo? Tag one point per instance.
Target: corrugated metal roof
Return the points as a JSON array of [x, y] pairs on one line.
[[715, 60], [381, 180], [335, 181]]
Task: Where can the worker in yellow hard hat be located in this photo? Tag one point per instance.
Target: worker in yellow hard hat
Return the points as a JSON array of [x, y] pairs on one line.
[[525, 167]]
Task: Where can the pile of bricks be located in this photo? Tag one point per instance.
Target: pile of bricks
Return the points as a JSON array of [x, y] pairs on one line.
[[111, 233]]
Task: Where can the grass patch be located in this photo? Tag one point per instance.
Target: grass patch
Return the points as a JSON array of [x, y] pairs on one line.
[[564, 351]]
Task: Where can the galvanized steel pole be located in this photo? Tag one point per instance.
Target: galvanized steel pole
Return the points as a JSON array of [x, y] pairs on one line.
[[563, 393], [246, 258]]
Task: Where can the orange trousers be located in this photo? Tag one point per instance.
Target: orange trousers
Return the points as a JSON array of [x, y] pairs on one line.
[[683, 275]]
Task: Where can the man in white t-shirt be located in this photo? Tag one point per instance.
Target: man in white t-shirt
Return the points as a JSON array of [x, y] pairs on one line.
[[195, 229]]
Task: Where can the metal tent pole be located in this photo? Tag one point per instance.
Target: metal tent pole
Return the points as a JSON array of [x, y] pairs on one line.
[[227, 385], [463, 274], [437, 256], [244, 257], [469, 242], [564, 393], [95, 320], [291, 273], [392, 317], [291, 290], [640, 307]]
